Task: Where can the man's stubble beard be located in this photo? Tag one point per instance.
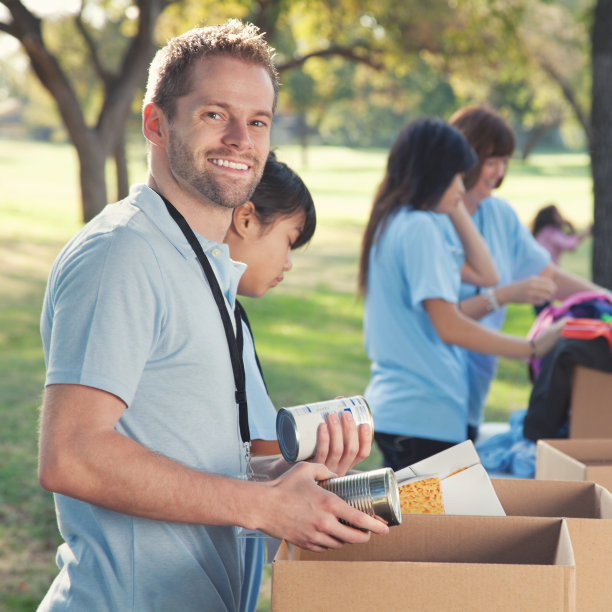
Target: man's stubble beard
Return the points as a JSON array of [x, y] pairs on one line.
[[184, 165]]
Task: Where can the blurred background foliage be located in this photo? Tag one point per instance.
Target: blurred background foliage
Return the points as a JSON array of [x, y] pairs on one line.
[[352, 71]]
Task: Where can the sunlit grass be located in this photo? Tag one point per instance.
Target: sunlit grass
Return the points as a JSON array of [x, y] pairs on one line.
[[561, 179]]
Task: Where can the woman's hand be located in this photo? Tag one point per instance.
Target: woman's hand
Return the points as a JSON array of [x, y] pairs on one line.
[[545, 342], [533, 290]]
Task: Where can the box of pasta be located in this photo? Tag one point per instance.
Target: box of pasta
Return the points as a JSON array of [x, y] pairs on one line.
[[450, 482]]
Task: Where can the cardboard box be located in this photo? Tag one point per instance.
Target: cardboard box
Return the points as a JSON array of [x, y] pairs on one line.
[[575, 459], [588, 509], [590, 404], [435, 563]]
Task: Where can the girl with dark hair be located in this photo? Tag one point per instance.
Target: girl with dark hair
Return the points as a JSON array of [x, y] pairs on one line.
[[279, 218], [526, 273], [556, 233], [410, 273]]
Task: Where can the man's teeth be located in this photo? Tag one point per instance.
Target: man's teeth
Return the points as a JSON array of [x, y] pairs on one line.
[[229, 164]]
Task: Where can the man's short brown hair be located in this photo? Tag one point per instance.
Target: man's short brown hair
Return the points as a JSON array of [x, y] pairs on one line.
[[171, 68]]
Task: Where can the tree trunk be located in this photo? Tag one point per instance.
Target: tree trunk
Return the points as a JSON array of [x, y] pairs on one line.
[[303, 136], [533, 137], [121, 167], [107, 139], [92, 164], [601, 143]]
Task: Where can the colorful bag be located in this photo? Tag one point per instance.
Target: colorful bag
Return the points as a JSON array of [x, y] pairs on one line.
[[594, 305]]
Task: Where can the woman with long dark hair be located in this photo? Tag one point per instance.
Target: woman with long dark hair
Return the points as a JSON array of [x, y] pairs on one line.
[[410, 274]]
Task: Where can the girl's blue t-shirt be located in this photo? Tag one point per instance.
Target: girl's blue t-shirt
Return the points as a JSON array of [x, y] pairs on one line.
[[418, 383], [262, 413]]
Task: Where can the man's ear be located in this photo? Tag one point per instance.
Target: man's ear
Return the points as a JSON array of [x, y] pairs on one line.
[[154, 124], [244, 220]]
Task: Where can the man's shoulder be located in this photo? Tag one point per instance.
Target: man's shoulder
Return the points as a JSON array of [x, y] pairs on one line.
[[122, 233], [128, 220]]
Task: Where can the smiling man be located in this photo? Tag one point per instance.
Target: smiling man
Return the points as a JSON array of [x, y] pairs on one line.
[[143, 438]]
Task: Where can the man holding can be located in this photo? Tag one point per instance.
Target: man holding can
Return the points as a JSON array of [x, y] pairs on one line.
[[142, 438]]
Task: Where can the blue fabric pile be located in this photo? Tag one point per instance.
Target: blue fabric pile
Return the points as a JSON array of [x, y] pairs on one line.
[[509, 453]]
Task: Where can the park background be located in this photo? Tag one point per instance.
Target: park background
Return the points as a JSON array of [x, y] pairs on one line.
[[334, 127]]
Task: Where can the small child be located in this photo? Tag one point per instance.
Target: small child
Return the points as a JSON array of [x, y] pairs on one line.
[[279, 218], [555, 233]]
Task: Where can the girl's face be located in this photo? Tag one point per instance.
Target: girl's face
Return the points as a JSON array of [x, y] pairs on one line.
[[492, 172], [452, 196], [265, 249]]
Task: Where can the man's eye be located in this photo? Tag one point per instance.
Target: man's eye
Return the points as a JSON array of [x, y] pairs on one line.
[[213, 115]]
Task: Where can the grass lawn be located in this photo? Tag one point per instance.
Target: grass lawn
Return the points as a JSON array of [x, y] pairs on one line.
[[308, 330]]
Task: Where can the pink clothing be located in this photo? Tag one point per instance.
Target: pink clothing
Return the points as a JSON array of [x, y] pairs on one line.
[[555, 241]]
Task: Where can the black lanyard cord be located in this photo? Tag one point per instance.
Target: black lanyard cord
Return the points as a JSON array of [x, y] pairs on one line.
[[243, 315], [234, 342]]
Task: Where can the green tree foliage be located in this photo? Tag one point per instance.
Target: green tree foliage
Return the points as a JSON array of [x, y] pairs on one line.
[[354, 71], [117, 36]]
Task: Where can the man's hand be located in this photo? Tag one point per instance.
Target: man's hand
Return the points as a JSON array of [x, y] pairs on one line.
[[305, 514], [341, 444]]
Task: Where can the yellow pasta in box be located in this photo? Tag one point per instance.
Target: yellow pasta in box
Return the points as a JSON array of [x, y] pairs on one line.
[[421, 497]]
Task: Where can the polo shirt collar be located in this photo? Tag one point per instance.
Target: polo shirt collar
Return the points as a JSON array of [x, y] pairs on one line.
[[227, 271]]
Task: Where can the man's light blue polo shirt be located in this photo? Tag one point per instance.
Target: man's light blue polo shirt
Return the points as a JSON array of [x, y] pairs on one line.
[[128, 310]]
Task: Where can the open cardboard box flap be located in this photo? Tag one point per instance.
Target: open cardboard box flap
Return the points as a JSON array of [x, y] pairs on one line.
[[461, 455]]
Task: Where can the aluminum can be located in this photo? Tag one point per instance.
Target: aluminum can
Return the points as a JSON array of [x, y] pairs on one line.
[[296, 426], [375, 492]]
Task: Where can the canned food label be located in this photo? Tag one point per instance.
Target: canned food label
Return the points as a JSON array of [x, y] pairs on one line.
[[297, 436]]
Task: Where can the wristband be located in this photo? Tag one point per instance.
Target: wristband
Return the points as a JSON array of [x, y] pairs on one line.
[[489, 295]]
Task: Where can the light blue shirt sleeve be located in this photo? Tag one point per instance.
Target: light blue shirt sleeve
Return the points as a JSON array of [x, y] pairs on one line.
[[98, 297], [431, 272]]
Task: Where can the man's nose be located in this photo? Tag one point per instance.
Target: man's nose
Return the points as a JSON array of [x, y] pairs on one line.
[[237, 135]]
